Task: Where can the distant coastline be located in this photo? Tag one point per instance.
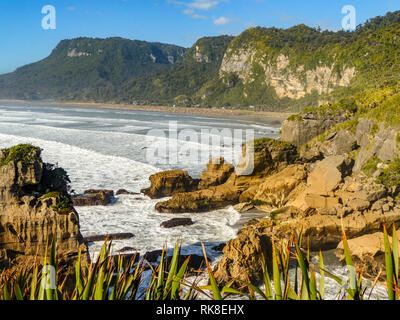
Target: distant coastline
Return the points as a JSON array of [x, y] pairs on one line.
[[208, 112]]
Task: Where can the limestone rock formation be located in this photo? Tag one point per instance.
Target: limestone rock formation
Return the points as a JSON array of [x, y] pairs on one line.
[[276, 188], [200, 201], [266, 157], [93, 198], [167, 183], [34, 209], [217, 173], [301, 129], [242, 255], [368, 253], [328, 174], [323, 192], [288, 83]]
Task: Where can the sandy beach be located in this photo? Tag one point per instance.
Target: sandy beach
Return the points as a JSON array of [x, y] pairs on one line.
[[209, 112]]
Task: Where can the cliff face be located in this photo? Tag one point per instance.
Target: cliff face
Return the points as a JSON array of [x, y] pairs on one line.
[[35, 208], [293, 84]]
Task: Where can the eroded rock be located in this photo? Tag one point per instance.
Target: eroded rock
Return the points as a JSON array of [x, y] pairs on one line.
[[167, 183], [368, 253], [35, 208], [93, 198], [216, 174], [328, 174]]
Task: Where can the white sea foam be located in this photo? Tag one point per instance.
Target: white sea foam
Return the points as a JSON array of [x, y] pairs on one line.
[[134, 214]]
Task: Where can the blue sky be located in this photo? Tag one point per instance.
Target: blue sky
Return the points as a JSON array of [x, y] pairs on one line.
[[179, 22]]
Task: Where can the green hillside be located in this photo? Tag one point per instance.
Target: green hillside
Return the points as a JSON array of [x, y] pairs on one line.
[[268, 68], [373, 50], [89, 69]]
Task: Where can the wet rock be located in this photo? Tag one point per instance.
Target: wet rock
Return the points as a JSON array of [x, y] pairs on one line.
[[195, 262], [94, 198], [243, 207], [126, 249], [176, 222], [220, 247], [152, 256], [167, 183], [126, 192], [113, 236], [126, 258]]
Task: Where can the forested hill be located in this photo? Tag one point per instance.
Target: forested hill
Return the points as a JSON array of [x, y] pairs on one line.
[[269, 68], [87, 69]]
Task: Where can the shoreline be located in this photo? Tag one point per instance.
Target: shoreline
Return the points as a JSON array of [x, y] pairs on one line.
[[209, 112]]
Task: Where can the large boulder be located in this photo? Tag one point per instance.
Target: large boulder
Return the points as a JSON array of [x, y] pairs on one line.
[[167, 183], [35, 209], [242, 257], [328, 174]]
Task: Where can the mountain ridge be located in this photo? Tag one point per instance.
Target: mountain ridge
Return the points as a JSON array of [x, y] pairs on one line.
[[268, 68]]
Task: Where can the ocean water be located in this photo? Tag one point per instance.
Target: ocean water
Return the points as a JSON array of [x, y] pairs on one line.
[[102, 148], [108, 149]]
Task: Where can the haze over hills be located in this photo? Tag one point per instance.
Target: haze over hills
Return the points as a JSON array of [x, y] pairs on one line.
[[269, 68]]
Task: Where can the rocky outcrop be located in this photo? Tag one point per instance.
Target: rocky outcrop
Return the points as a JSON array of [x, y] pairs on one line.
[[93, 198], [276, 188], [126, 192], [167, 183], [375, 140], [328, 174], [35, 209], [325, 191], [242, 256], [217, 173], [302, 128], [201, 200], [368, 253], [260, 158]]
